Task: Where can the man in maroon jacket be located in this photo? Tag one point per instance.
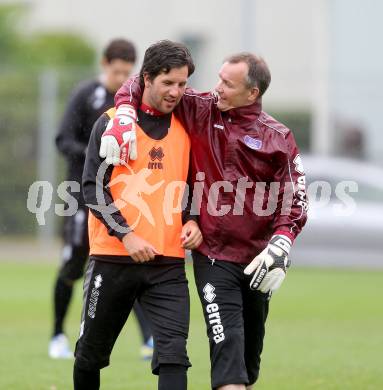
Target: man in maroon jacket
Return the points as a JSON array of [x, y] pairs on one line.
[[249, 194]]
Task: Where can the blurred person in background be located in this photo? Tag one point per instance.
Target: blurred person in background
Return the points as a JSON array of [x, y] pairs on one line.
[[244, 255], [86, 104], [137, 236]]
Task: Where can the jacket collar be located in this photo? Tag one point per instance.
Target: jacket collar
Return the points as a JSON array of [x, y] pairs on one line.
[[246, 113]]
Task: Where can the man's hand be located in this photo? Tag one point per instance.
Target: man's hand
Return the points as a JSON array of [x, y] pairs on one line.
[[139, 249], [269, 267], [191, 236], [119, 141]]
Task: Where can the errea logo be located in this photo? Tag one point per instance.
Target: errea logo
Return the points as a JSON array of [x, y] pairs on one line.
[[94, 296], [156, 154], [213, 315], [209, 295]]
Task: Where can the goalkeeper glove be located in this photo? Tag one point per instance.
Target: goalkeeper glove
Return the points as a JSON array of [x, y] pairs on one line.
[[268, 269], [119, 141]]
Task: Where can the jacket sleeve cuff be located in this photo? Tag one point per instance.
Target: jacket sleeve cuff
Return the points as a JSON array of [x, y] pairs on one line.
[[285, 233]]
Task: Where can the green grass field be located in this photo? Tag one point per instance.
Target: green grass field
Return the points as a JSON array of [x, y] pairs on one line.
[[325, 331]]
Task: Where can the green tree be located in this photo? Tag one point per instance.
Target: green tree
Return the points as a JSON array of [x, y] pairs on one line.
[[9, 37], [57, 50]]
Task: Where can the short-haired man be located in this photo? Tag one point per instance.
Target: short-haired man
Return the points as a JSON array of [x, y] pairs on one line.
[[250, 196], [87, 102], [137, 235]]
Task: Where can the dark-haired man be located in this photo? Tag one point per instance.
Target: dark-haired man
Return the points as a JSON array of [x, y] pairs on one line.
[[86, 104], [137, 234], [250, 196]]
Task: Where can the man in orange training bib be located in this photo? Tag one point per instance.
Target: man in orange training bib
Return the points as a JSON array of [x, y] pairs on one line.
[[137, 230]]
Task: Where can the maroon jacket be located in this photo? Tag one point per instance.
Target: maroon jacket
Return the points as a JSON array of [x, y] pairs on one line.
[[242, 145]]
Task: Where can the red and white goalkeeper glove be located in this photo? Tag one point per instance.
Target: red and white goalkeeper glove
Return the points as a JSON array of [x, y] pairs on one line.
[[119, 141], [268, 269]]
